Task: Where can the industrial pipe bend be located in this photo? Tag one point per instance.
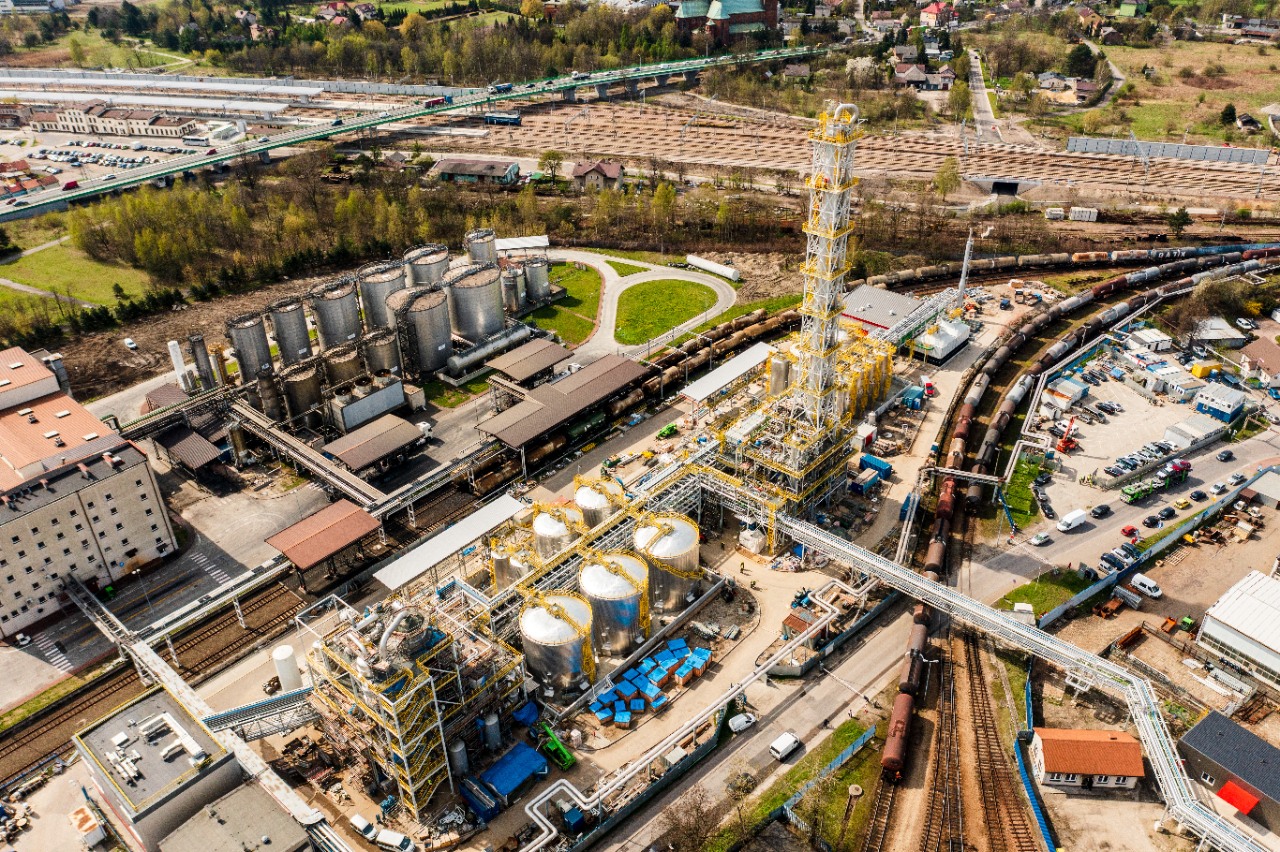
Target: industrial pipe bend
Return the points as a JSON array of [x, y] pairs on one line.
[[855, 114], [393, 623]]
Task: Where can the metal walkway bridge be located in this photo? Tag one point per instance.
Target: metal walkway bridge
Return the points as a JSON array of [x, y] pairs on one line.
[[601, 81], [278, 714]]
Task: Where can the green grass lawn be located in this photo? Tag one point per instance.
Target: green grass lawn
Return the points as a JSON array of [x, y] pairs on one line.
[[645, 256], [1022, 503], [625, 269], [571, 327], [63, 268], [447, 396], [861, 769], [98, 52], [29, 233], [583, 288], [1046, 591], [647, 310]]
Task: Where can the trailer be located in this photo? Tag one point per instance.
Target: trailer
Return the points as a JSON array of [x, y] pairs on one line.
[[868, 461]]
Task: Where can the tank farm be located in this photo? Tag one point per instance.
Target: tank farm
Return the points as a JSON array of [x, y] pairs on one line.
[[971, 453]]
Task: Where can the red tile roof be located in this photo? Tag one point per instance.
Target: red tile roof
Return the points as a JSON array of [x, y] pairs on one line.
[[1088, 752], [608, 168], [314, 539]]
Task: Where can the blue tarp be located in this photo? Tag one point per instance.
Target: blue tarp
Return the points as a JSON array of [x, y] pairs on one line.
[[479, 799], [526, 715], [513, 769]]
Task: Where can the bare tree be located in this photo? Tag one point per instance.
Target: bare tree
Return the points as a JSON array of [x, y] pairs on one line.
[[689, 826]]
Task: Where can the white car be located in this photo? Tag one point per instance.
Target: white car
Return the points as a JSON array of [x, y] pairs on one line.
[[129, 343], [784, 745], [1236, 478], [1040, 539], [22, 640], [1246, 324], [741, 722], [1217, 488]]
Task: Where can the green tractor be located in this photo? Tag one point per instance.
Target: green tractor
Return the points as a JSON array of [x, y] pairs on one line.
[[668, 430]]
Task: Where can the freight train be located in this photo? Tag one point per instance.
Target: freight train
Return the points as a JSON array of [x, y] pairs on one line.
[[1236, 261], [1084, 259]]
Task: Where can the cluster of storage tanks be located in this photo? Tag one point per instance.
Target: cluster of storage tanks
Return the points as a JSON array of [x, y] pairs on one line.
[[563, 631], [421, 314]]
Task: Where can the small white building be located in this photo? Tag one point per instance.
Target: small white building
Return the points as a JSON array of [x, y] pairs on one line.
[[1217, 332], [1153, 339], [1086, 759], [1244, 626], [942, 340], [1064, 393], [1196, 429]]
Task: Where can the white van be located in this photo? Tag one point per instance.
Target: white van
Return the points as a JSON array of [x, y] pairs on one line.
[[1072, 519], [1146, 585], [363, 827], [394, 841], [784, 745]]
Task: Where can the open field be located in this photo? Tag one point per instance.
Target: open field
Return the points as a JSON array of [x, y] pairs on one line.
[[625, 269], [1047, 591], [63, 269], [574, 316], [98, 53], [646, 310]]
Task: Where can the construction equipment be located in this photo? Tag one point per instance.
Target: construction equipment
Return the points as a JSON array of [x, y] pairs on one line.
[[554, 748], [1067, 442]]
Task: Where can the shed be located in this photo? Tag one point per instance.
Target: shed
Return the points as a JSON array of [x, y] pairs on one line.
[[728, 373], [188, 449], [1266, 489], [1216, 331], [364, 447], [1244, 626], [323, 534], [1195, 430], [1238, 766], [530, 359], [512, 771]]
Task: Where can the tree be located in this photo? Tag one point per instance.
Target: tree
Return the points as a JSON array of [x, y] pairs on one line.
[[1081, 62], [947, 179], [414, 27], [531, 8], [1092, 121], [550, 162], [959, 99], [77, 52], [689, 825], [1178, 221], [1228, 114]]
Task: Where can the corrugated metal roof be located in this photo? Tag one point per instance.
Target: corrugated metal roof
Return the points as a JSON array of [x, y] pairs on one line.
[[879, 307], [329, 531], [163, 397], [1241, 752], [518, 243], [1252, 607], [192, 450], [373, 442], [530, 359], [1090, 752], [449, 541], [728, 373], [1267, 485], [551, 405]]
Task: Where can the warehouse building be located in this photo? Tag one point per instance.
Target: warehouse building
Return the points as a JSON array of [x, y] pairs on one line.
[[245, 820], [477, 171], [1195, 431], [876, 309], [1264, 490], [75, 498], [1064, 393], [1086, 759], [1220, 402], [1244, 626], [1217, 332], [1240, 767], [1152, 338]]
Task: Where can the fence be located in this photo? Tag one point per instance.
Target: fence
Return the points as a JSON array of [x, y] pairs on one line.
[[840, 760], [1027, 785]]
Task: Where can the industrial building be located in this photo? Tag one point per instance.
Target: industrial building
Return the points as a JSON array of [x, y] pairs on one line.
[[1237, 765], [1217, 332], [1244, 626], [155, 765], [98, 118], [1086, 759], [245, 820], [477, 171], [1194, 431], [1220, 402], [78, 500], [1265, 490], [875, 308]]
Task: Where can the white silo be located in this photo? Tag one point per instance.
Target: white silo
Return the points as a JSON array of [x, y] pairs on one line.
[[556, 631], [554, 529], [598, 500], [671, 542], [617, 587], [287, 668]]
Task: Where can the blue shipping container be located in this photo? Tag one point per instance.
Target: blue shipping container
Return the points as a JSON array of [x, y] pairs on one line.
[[869, 461]]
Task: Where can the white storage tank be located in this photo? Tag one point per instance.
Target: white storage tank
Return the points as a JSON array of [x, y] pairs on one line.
[[617, 587], [537, 273], [556, 631], [287, 670], [509, 564], [598, 500], [554, 529], [671, 543]]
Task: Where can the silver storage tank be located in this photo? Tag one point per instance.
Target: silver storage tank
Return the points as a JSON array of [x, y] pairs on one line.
[[616, 585], [554, 529], [598, 499], [342, 365], [671, 542], [481, 245], [475, 303], [537, 274], [269, 393], [302, 394], [509, 563], [248, 337], [337, 312], [204, 366], [377, 282], [556, 630], [458, 762], [426, 265], [293, 339], [510, 292], [779, 375], [381, 351], [429, 328]]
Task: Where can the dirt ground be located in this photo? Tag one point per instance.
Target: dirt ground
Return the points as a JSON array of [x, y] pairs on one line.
[[764, 275]]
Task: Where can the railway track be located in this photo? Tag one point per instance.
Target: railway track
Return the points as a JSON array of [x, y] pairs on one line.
[[1009, 828], [877, 837], [944, 820]]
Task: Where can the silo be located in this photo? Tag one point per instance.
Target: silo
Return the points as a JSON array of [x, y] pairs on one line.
[[616, 585], [249, 338], [475, 303], [554, 529], [671, 541], [287, 668], [342, 365], [779, 375], [302, 394], [381, 352], [426, 265], [510, 293], [481, 246], [377, 282], [458, 758], [293, 339], [509, 564], [598, 500], [556, 630], [204, 366], [429, 331], [269, 393], [337, 312], [537, 274]]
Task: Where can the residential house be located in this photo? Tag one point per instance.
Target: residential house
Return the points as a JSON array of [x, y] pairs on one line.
[[906, 53], [257, 32], [909, 74], [1237, 765], [477, 171], [246, 17], [1086, 759], [884, 20], [936, 14], [1085, 89], [1260, 359], [1089, 19], [1110, 36], [1052, 81], [597, 175], [366, 11]]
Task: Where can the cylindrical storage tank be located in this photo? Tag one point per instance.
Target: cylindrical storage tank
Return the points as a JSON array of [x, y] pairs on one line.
[[175, 358], [672, 542], [302, 394], [249, 338], [598, 500], [556, 631], [458, 763], [342, 365], [537, 275], [429, 327], [553, 529], [779, 375], [510, 293], [293, 339], [269, 393], [287, 668], [377, 282], [475, 303], [239, 442], [492, 732], [481, 246], [381, 351], [337, 312], [204, 365], [426, 265], [615, 585], [509, 566]]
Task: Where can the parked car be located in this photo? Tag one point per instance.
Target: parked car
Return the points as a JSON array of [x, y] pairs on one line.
[[741, 722], [1217, 488], [1151, 522], [1044, 479], [1226, 456], [129, 343], [1199, 351], [1167, 513], [1114, 471], [1125, 559], [1236, 478], [1198, 495], [784, 745], [1182, 503], [1040, 539], [1129, 531], [1246, 324], [22, 640], [1131, 549], [1100, 511], [1110, 559]]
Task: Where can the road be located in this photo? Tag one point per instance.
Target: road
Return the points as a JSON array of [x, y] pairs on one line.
[[1117, 78], [984, 118]]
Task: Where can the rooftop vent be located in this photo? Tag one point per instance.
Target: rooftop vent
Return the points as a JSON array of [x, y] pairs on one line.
[[63, 413], [51, 434], [4, 382], [16, 365], [91, 436], [23, 412]]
